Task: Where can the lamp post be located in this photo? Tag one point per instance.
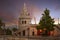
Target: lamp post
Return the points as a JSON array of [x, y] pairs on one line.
[[28, 33]]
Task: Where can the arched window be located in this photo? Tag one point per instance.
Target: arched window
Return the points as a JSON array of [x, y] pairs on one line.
[[33, 33], [23, 32], [22, 22], [25, 22], [19, 33]]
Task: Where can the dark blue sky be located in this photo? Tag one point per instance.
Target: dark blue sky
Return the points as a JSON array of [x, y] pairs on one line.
[[10, 9]]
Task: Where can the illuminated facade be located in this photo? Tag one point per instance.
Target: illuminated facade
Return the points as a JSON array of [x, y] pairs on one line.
[[25, 26]]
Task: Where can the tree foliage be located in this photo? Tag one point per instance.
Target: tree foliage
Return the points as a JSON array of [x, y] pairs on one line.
[[14, 29], [46, 22], [8, 32], [2, 27], [1, 24]]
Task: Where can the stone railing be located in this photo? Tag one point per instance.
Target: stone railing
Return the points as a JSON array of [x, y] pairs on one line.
[[28, 38]]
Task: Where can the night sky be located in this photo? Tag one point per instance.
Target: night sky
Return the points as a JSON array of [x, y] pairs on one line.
[[11, 9]]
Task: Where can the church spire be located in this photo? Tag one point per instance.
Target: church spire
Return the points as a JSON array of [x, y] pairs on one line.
[[24, 8], [25, 12]]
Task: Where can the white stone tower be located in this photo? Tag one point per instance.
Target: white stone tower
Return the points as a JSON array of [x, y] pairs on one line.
[[24, 21]]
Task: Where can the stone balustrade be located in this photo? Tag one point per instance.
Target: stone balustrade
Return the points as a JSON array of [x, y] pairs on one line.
[[28, 38]]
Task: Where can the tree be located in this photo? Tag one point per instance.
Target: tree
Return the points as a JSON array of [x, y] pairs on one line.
[[14, 29], [8, 32], [1, 23], [46, 23]]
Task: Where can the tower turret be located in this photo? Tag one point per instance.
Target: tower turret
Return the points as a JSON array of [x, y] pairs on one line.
[[24, 19]]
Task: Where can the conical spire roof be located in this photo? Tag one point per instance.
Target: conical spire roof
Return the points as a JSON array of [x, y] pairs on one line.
[[25, 10]]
